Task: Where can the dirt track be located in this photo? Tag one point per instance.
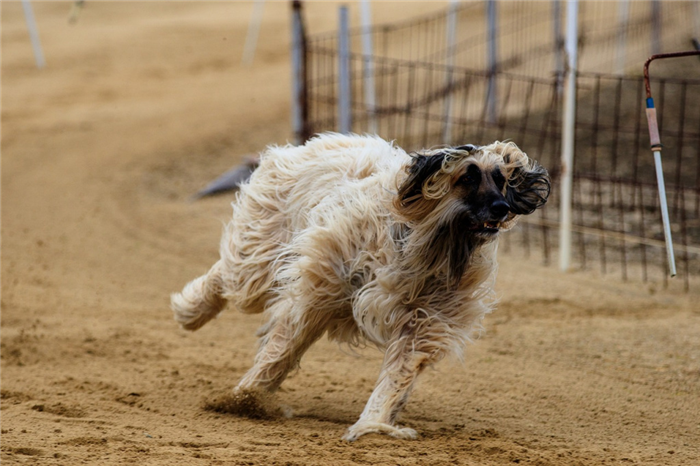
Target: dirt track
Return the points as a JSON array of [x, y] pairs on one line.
[[141, 105]]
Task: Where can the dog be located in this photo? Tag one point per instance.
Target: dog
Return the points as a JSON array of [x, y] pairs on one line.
[[352, 236]]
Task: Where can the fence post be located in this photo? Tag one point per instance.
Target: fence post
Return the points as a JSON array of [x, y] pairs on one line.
[[368, 70], [251, 38], [558, 44], [695, 19], [623, 14], [492, 28], [567, 153], [300, 108], [344, 116], [33, 34], [451, 27], [655, 27]]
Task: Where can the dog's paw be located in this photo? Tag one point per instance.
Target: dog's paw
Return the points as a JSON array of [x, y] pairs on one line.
[[362, 427], [404, 433]]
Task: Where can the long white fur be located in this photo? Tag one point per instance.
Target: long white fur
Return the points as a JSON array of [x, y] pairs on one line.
[[316, 242]]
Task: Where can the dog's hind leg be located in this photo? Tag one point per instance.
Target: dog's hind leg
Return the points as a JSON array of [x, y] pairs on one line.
[[285, 341], [404, 360], [200, 300]]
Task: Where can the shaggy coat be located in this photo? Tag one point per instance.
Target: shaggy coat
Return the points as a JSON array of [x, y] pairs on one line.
[[353, 237]]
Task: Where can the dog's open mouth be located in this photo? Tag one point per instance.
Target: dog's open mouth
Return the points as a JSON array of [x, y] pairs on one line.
[[488, 228]]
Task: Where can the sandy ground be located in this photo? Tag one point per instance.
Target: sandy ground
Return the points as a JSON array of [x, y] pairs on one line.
[[141, 105]]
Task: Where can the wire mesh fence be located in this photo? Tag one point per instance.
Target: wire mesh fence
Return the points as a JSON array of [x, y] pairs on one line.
[[430, 92], [529, 39]]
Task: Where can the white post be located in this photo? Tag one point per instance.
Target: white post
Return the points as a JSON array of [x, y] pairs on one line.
[[368, 71], [664, 214], [623, 15], [451, 28], [344, 115], [251, 39], [33, 34], [492, 31], [655, 142], [567, 153]]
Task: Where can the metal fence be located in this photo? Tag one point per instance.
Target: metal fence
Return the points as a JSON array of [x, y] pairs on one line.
[[432, 89]]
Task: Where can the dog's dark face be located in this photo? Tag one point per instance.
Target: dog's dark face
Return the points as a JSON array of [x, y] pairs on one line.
[[463, 197], [482, 192], [489, 186]]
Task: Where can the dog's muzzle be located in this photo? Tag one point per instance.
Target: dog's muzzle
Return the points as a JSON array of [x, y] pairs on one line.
[[498, 213]]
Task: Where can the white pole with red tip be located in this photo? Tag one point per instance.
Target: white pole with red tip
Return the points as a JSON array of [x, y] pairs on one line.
[[655, 141], [656, 148]]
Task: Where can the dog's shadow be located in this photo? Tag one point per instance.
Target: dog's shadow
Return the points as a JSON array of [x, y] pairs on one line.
[[269, 407], [333, 418]]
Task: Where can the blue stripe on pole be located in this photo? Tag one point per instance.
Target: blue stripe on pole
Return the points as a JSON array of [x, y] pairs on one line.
[[650, 102]]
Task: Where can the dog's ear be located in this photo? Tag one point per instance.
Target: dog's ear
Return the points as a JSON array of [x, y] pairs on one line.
[[528, 188], [467, 148], [411, 201]]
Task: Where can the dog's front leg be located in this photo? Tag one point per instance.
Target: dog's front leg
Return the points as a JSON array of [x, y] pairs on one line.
[[403, 361], [281, 348]]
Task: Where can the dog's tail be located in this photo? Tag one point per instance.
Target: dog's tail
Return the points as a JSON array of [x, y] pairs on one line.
[[201, 299]]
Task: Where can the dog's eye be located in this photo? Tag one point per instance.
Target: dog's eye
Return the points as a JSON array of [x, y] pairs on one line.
[[472, 177], [498, 179]]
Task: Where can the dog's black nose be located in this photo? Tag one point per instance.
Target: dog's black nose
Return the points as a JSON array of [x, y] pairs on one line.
[[499, 209]]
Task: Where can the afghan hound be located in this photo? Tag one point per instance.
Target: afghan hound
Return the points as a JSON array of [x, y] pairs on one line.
[[352, 236]]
